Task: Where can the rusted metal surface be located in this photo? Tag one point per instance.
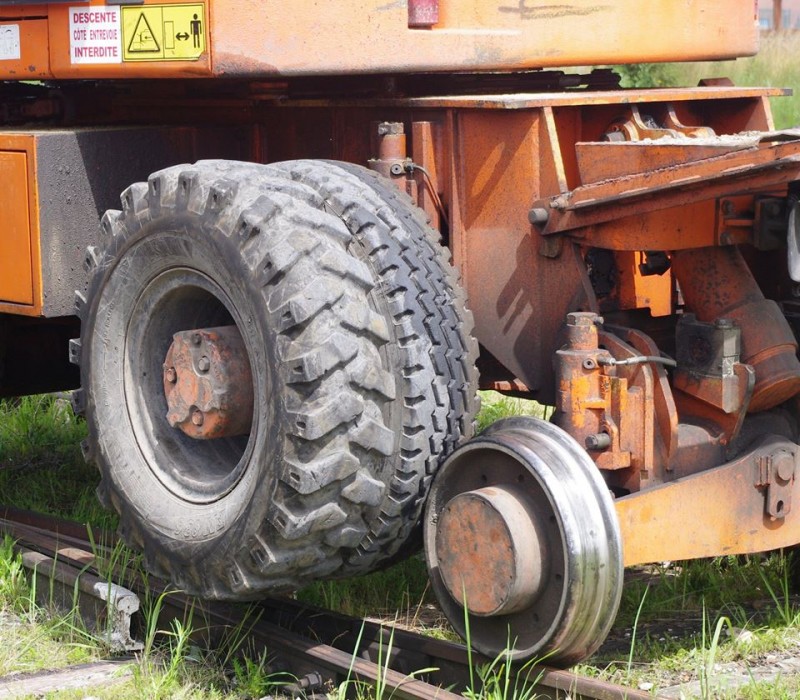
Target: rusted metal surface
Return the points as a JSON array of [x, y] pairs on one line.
[[492, 555], [623, 414], [392, 157], [716, 283], [638, 127], [763, 165], [208, 383], [426, 137], [114, 626], [725, 510]]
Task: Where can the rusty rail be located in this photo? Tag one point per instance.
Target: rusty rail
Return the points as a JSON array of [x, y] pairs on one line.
[[317, 647]]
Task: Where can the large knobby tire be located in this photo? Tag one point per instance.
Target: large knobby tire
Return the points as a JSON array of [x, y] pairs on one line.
[[362, 364]]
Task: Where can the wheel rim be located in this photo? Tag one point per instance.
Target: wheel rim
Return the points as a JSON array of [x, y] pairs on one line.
[[178, 299], [564, 611]]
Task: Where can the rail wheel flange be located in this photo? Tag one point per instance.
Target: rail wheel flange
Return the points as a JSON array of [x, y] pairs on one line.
[[521, 530]]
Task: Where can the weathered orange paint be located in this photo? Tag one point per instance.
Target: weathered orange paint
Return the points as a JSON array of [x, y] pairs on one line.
[[716, 283], [20, 269], [16, 283], [208, 383], [638, 291], [34, 62], [717, 512], [251, 38]]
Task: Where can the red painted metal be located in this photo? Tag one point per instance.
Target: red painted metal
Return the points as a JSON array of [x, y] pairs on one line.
[[423, 13], [208, 383]]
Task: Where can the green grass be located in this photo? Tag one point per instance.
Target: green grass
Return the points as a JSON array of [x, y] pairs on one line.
[[495, 406], [36, 637], [41, 468], [41, 465], [775, 65], [685, 619]]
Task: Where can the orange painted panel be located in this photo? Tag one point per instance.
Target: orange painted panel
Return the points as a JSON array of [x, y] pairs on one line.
[[24, 49], [261, 38], [16, 281]]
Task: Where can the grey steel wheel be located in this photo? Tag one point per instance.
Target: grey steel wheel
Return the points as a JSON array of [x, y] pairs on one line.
[[521, 530]]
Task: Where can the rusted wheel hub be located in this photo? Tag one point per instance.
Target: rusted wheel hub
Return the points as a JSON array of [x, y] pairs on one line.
[[208, 383], [492, 554]]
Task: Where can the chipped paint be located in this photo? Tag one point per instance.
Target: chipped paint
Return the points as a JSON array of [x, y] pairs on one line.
[[551, 11]]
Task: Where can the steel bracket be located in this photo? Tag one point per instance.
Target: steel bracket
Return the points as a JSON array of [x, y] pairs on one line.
[[775, 474]]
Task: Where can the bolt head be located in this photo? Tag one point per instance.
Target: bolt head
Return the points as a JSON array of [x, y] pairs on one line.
[[538, 215], [204, 364], [196, 339], [387, 128], [784, 466], [197, 417], [171, 375]]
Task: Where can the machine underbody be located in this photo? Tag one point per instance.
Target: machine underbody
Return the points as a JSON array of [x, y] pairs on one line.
[[277, 361]]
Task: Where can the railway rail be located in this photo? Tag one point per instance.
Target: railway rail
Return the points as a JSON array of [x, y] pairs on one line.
[[318, 648]]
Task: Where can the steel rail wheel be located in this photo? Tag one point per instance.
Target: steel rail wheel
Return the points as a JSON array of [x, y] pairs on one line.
[[521, 531], [265, 402]]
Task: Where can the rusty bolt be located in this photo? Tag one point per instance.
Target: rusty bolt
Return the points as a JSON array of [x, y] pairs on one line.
[[613, 135], [538, 216], [197, 339], [581, 318], [171, 375], [386, 128], [598, 441], [204, 364], [784, 466], [197, 417]]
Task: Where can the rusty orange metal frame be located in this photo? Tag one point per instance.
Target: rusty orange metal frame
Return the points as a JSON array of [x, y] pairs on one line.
[[737, 508]]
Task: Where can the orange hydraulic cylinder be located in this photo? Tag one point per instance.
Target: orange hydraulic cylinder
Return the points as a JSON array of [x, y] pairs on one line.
[[716, 283]]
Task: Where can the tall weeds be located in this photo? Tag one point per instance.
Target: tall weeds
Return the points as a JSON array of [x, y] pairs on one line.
[[775, 65]]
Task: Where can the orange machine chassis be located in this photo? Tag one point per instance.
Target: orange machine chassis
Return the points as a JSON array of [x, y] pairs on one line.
[[548, 210], [624, 251]]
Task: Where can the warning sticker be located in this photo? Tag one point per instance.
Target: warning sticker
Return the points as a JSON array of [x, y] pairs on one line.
[[163, 32], [94, 34], [9, 42]]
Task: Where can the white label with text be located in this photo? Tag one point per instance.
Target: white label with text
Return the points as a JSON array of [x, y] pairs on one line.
[[95, 34], [9, 42]]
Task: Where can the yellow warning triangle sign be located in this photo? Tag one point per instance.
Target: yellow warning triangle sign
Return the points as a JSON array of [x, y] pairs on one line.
[[143, 39]]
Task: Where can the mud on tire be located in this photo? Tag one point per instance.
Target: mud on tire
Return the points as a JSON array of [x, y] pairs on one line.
[[362, 362]]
